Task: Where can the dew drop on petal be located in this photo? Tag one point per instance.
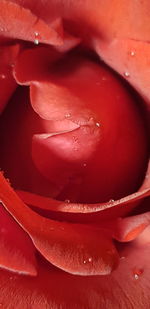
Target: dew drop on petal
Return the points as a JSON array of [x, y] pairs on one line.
[[126, 74], [3, 76], [137, 273], [36, 33], [36, 41], [68, 115], [111, 200], [84, 164], [90, 259], [97, 124], [67, 201], [132, 53], [84, 262]]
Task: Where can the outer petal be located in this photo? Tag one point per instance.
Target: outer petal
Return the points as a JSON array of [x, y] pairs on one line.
[[16, 248], [104, 19], [77, 249], [127, 287], [130, 58], [19, 23]]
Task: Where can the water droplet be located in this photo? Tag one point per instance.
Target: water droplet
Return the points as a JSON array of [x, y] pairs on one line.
[[111, 200], [122, 257], [3, 76], [97, 124], [36, 33], [67, 201], [104, 78], [90, 259], [10, 278], [147, 176], [84, 164], [36, 41], [136, 276], [84, 262], [132, 53], [137, 273], [68, 115], [126, 74]]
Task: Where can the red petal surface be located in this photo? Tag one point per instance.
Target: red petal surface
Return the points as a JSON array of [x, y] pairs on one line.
[[103, 19], [8, 55], [16, 248], [127, 287], [78, 249], [132, 57], [77, 89], [19, 23], [129, 228]]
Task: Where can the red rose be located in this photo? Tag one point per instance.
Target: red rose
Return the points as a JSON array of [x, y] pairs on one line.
[[74, 141]]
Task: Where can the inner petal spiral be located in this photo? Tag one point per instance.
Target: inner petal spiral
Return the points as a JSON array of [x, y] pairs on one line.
[[90, 141]]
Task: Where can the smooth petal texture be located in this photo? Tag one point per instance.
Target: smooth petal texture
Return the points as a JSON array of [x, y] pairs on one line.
[[19, 23], [129, 56], [77, 249], [127, 287], [97, 18], [8, 55], [17, 252], [129, 228]]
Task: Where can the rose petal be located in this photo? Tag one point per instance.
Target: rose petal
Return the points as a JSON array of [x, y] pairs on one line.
[[8, 55], [78, 249], [97, 18], [126, 287], [129, 228], [17, 252], [130, 57], [19, 23]]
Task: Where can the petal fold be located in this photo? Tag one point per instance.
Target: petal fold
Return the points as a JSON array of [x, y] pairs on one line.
[[75, 248], [17, 252]]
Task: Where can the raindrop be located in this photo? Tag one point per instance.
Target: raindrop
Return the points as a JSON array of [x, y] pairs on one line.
[[111, 200], [84, 262], [126, 74], [97, 124], [132, 53], [84, 164], [36, 41], [122, 257]]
